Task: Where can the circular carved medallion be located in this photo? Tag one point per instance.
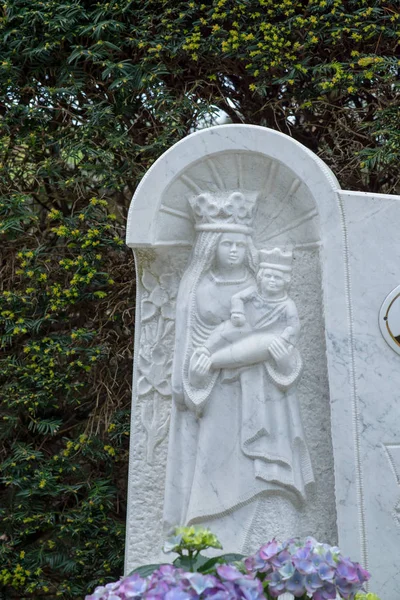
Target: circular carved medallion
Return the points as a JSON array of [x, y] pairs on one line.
[[389, 319]]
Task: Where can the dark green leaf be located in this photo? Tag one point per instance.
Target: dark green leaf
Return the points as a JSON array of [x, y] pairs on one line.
[[146, 570]]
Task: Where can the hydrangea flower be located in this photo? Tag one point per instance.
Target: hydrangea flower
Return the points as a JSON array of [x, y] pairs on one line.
[[307, 570], [170, 583]]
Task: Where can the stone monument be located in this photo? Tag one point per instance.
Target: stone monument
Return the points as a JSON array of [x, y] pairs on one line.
[[262, 399]]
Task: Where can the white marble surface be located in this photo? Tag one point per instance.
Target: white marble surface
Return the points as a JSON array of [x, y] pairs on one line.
[[236, 434], [373, 271], [344, 265]]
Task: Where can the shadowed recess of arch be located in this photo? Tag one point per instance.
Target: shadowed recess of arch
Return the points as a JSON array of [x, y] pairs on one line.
[[285, 205]]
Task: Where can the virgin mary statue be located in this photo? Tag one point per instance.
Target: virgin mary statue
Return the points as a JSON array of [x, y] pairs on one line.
[[236, 435]]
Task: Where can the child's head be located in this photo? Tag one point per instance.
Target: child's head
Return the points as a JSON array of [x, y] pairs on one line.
[[274, 272]]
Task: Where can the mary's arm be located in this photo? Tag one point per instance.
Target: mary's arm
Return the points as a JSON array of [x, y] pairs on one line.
[[198, 380]]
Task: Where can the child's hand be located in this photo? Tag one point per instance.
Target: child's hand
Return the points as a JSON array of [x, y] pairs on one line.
[[238, 319]]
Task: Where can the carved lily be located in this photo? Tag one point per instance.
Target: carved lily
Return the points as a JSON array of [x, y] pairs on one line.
[[162, 294], [153, 377]]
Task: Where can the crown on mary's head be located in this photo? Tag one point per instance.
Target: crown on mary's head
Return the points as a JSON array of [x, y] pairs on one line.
[[276, 259], [223, 211]]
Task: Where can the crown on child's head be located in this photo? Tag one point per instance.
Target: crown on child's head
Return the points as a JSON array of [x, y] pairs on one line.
[[276, 259], [224, 211]]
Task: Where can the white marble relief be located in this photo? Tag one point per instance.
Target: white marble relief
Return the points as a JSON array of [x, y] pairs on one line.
[[235, 409], [248, 452], [155, 354]]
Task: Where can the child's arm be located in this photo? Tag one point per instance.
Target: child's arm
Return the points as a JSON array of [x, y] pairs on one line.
[[237, 306]]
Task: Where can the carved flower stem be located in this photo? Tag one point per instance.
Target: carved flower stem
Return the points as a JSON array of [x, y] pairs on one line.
[[156, 428]]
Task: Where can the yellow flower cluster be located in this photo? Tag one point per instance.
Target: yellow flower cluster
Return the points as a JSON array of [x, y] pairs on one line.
[[74, 446], [110, 450], [16, 578]]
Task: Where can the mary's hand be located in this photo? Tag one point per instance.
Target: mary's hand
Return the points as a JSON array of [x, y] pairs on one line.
[[200, 365], [281, 352]]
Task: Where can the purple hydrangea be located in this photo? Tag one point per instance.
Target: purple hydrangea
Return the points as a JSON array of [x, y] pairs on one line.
[[308, 569], [171, 583]]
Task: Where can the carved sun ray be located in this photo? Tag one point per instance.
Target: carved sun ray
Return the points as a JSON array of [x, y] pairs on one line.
[[192, 185], [239, 167], [294, 224], [266, 183], [175, 212], [282, 205], [291, 191], [273, 172], [215, 174]]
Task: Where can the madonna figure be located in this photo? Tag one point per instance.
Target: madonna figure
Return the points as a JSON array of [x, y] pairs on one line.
[[236, 435]]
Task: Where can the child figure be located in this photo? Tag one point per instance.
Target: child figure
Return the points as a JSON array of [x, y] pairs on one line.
[[264, 323]]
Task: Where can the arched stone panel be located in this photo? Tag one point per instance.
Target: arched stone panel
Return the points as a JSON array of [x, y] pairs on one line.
[[298, 208]]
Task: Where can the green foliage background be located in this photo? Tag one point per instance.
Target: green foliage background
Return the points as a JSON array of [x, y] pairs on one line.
[[91, 93]]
